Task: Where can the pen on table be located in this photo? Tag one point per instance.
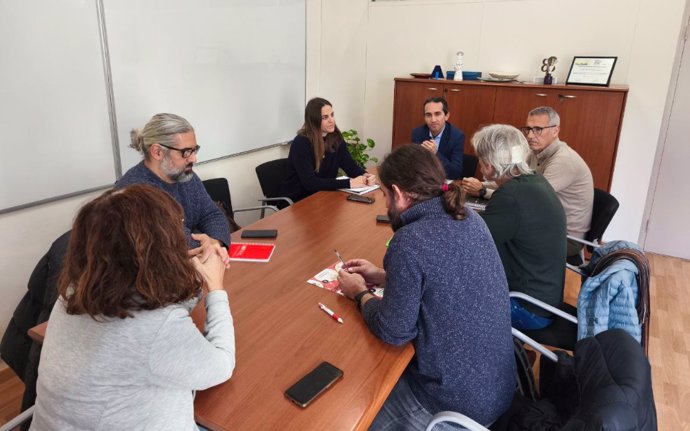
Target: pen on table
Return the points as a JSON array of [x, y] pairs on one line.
[[331, 313]]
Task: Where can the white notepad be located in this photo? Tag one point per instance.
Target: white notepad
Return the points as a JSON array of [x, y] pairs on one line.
[[358, 190]]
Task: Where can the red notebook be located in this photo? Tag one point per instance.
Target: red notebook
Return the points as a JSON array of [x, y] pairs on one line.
[[251, 252]]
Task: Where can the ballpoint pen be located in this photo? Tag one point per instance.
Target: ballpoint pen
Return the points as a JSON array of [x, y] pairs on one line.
[[331, 313], [370, 289], [341, 258]]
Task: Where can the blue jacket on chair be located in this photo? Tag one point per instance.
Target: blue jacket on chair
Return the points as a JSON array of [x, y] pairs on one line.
[[608, 300], [450, 149]]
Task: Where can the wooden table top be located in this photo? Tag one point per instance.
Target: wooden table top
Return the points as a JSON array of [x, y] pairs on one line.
[[281, 334]]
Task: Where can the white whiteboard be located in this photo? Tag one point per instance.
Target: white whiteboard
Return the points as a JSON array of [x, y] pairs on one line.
[[234, 68], [55, 133]]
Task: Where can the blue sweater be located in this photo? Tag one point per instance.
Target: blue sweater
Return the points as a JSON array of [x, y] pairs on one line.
[[446, 291], [301, 180], [200, 213]]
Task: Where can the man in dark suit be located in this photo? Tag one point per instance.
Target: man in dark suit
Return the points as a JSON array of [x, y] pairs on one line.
[[440, 137]]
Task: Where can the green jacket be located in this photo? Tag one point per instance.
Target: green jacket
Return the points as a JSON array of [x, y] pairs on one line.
[[527, 223]]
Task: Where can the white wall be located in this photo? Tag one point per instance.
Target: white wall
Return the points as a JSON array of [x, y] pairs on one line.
[[27, 234], [504, 35]]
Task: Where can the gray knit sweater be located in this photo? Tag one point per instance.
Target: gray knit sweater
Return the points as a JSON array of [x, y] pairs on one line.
[[447, 293], [200, 213], [131, 374]]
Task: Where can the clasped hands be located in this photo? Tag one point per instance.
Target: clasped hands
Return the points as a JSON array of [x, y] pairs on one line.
[[472, 186], [363, 181], [210, 259], [429, 145]]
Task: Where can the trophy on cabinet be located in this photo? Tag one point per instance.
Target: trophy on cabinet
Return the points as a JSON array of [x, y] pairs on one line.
[[459, 63], [548, 66]]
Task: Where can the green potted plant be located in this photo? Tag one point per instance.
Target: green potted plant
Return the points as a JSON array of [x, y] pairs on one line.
[[358, 150]]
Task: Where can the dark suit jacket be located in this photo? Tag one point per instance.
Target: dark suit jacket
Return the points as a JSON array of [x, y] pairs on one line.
[[450, 150]]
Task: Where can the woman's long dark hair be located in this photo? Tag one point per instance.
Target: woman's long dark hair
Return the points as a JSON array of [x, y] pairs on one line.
[[312, 131], [419, 173], [127, 252]]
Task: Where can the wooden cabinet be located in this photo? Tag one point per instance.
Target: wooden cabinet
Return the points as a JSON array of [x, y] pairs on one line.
[[590, 116]]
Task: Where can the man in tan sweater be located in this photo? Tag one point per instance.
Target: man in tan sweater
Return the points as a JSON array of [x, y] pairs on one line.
[[565, 170]]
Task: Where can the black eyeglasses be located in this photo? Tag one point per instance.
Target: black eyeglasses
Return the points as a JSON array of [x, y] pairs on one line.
[[536, 130], [186, 152]]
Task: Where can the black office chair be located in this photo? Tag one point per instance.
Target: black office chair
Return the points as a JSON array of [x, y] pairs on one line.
[[219, 191], [271, 175], [604, 208], [606, 384], [469, 165]]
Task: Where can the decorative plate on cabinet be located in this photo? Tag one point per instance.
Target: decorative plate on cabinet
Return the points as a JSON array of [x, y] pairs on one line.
[[503, 76]]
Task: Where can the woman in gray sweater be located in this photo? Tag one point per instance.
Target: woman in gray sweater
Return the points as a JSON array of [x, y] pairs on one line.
[[121, 350]]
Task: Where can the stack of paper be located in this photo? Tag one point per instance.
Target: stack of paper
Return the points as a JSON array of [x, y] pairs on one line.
[[361, 190], [358, 190]]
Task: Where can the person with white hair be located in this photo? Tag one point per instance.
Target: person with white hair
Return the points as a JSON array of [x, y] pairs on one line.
[[562, 167], [526, 220]]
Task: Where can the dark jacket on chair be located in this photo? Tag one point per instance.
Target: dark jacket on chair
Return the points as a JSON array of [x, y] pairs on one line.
[[17, 349], [606, 386], [614, 385]]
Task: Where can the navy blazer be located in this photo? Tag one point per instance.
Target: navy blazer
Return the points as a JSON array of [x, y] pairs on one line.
[[450, 150]]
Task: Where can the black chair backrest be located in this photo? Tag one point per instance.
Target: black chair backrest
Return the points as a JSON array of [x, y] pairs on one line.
[[271, 175], [469, 165], [603, 210], [219, 191]]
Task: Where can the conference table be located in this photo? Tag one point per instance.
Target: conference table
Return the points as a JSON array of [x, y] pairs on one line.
[[281, 334]]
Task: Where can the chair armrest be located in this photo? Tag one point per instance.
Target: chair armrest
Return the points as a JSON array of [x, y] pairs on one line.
[[543, 305], [277, 199], [535, 345], [575, 269], [18, 420], [584, 241], [456, 418], [262, 207]]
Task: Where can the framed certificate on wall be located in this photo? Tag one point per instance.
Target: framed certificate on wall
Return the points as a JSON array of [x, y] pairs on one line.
[[591, 71]]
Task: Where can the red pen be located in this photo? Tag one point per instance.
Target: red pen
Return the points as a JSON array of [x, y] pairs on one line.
[[331, 313]]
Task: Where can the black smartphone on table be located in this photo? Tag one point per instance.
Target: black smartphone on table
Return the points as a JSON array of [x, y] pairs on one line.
[[260, 233], [313, 384], [362, 199], [382, 218]]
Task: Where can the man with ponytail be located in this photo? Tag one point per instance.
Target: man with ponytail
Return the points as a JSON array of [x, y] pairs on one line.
[[445, 291], [168, 144]]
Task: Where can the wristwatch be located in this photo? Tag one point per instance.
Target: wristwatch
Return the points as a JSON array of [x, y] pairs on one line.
[[358, 298], [482, 192]]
